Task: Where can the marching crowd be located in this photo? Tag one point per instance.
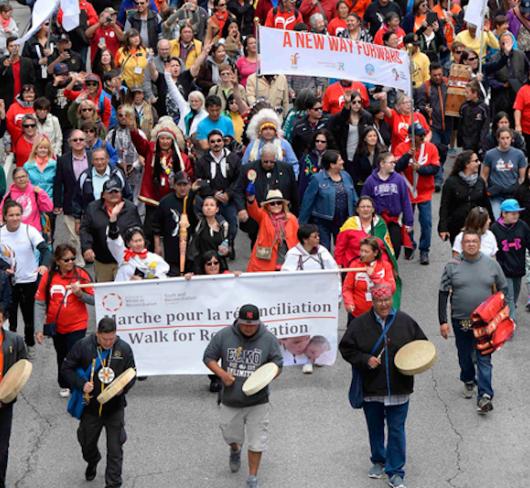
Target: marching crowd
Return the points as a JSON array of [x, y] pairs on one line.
[[147, 139]]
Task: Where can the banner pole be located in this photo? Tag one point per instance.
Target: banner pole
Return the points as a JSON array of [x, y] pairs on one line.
[[256, 22]]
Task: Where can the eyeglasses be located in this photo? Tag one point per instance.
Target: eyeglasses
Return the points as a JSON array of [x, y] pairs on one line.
[[320, 141], [87, 110], [68, 260], [276, 204], [212, 263], [78, 139], [29, 125], [356, 102]]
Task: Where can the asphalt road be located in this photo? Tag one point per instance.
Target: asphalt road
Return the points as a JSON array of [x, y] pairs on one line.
[[316, 439]]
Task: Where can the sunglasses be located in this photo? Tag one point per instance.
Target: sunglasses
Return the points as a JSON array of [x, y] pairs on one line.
[[68, 260], [266, 161], [87, 110], [321, 141], [212, 263], [29, 125], [216, 141], [459, 51], [78, 139], [91, 83], [356, 102], [472, 59], [276, 204]]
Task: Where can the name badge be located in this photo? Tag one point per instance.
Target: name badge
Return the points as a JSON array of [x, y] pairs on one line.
[[138, 70]]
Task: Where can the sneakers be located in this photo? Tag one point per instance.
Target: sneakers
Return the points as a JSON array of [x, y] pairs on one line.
[[31, 352], [377, 471], [469, 389], [252, 482], [64, 392], [409, 253], [235, 460], [90, 472], [424, 258], [484, 405], [307, 368], [396, 481]]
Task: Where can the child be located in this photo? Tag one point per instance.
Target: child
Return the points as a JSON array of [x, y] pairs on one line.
[[317, 347], [293, 349], [513, 239], [474, 123]]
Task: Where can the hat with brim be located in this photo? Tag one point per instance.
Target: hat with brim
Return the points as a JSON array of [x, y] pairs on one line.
[[511, 205], [274, 196]]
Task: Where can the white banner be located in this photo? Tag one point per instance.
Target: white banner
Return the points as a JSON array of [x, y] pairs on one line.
[[309, 54], [169, 323], [42, 11], [474, 13], [71, 13]]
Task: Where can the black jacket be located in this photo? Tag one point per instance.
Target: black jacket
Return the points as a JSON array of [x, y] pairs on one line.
[[302, 135], [280, 178], [94, 225], [375, 14], [13, 349], [211, 186], [7, 83], [361, 336], [81, 356], [166, 223], [512, 241], [428, 94], [339, 127], [64, 187], [60, 104], [153, 26], [474, 126], [84, 193], [458, 198]]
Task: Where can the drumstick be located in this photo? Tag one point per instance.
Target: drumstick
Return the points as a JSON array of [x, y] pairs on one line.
[[381, 353], [86, 396]]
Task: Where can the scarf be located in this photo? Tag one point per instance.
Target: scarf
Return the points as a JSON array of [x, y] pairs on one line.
[[41, 162], [278, 222], [470, 180], [128, 254]]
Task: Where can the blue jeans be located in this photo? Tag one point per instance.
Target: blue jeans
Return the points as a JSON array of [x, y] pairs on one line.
[[327, 230], [394, 456], [229, 212], [465, 345], [425, 218], [441, 139], [514, 288]]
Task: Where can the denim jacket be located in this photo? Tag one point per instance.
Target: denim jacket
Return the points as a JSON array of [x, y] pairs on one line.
[[319, 198]]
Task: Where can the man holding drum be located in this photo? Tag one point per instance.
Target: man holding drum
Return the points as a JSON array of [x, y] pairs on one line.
[[471, 279], [243, 348], [386, 390], [91, 366], [12, 349]]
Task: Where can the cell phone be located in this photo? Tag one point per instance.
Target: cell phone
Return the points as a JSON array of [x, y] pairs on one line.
[[431, 18]]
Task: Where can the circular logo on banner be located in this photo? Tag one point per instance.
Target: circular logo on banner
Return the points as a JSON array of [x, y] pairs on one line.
[[370, 69], [112, 302]]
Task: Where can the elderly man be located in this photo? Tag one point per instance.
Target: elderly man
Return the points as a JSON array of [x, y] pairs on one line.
[[266, 174], [470, 279], [94, 225], [242, 349], [69, 168], [386, 391]]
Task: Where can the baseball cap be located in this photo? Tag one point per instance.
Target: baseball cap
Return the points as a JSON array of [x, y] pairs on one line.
[[418, 129], [92, 77], [64, 37], [511, 205], [249, 314], [109, 10], [181, 177], [411, 38], [112, 184], [60, 69]]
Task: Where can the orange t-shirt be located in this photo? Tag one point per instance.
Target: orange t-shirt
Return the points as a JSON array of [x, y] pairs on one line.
[[522, 103], [73, 315], [400, 123], [333, 100]]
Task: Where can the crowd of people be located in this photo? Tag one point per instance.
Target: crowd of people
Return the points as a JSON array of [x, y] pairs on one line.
[[145, 139]]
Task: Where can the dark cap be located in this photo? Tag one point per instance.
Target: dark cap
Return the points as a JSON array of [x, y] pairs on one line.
[[64, 37], [92, 77], [249, 314], [60, 69], [418, 129], [112, 184], [524, 7], [182, 177], [411, 38]]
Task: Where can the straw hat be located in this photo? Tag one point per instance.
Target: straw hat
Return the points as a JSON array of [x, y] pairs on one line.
[[274, 196]]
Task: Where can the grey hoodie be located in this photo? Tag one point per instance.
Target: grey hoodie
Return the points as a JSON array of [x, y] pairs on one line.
[[241, 356]]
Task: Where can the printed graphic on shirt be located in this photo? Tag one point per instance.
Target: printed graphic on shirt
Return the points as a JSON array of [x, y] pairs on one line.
[[62, 291], [516, 244], [385, 189], [501, 165], [243, 362]]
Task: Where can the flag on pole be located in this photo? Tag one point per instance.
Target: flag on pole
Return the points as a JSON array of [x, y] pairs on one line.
[[42, 11], [475, 12], [71, 13]]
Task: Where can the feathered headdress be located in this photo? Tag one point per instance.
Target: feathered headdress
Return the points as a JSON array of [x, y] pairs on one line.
[[167, 127], [265, 117]]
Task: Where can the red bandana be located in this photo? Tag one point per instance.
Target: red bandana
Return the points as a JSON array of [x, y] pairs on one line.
[[128, 254]]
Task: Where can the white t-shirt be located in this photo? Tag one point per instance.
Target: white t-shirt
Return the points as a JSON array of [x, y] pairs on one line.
[[488, 244], [24, 242]]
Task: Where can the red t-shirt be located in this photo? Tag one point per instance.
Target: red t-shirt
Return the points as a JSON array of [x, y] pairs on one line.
[[22, 151], [17, 83], [399, 124], [333, 100], [336, 26], [111, 41], [378, 38], [73, 315], [426, 154], [522, 103]]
